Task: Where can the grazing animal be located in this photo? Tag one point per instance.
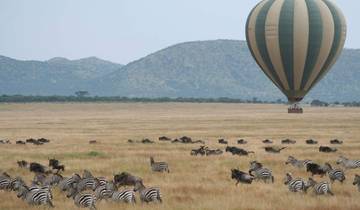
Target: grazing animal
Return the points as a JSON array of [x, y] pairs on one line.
[[327, 149], [297, 163], [92, 142], [357, 181], [295, 185], [209, 152], [222, 141], [241, 141], [348, 164], [43, 140], [315, 169], [336, 141], [237, 151], [321, 188], [274, 149], [267, 141], [334, 174], [126, 179], [260, 173], [20, 142], [201, 151], [311, 141], [164, 138], [82, 200], [241, 176], [147, 195], [147, 141], [159, 166], [288, 141], [35, 195], [37, 168], [22, 163], [127, 196]]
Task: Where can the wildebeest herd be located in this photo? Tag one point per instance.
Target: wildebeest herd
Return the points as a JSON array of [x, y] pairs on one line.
[[86, 190]]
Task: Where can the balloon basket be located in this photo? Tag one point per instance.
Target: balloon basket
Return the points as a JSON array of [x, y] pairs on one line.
[[295, 109]]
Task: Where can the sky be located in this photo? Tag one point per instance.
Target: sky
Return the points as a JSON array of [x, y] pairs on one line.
[[126, 30]]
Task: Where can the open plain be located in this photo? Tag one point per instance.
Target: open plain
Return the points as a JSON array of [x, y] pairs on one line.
[[194, 183]]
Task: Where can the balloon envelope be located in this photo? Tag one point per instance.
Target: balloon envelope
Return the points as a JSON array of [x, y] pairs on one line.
[[295, 42]]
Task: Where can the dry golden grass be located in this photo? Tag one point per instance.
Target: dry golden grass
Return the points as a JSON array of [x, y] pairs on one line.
[[195, 183]]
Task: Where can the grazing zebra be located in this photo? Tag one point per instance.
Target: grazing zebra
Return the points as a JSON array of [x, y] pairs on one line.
[[87, 183], [334, 174], [147, 195], [260, 173], [295, 185], [321, 188], [159, 166], [348, 164], [82, 200], [67, 183], [297, 163], [357, 181], [35, 195], [5, 181], [127, 196]]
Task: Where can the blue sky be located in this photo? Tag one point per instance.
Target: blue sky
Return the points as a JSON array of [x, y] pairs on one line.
[[126, 30]]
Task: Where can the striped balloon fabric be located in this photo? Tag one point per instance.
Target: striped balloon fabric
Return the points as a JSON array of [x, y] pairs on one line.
[[296, 42]]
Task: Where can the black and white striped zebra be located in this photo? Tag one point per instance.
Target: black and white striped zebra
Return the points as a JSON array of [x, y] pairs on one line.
[[5, 181], [82, 200], [334, 174], [260, 173], [357, 181], [105, 191], [295, 185], [36, 195], [126, 196], [320, 188], [87, 184], [297, 163], [159, 166], [67, 183], [348, 164], [150, 194]]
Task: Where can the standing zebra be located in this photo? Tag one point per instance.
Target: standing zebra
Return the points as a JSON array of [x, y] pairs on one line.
[[334, 174], [67, 183], [35, 196], [5, 181], [105, 191], [127, 196], [150, 194], [260, 173], [357, 181], [87, 183], [159, 166], [297, 163], [348, 164], [295, 185], [321, 188], [82, 200]]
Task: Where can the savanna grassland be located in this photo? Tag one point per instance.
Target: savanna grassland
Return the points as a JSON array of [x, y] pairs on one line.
[[194, 183]]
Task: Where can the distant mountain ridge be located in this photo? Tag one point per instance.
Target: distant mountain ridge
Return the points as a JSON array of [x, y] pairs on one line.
[[205, 69]]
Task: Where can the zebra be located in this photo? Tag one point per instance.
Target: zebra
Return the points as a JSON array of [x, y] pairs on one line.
[[127, 196], [84, 200], [5, 181], [260, 173], [66, 183], [87, 183], [297, 163], [159, 166], [348, 164], [321, 188], [87, 174], [147, 195], [54, 179], [334, 174], [295, 185], [357, 181], [36, 196], [105, 191]]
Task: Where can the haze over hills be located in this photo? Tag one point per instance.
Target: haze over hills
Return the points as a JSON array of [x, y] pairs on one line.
[[207, 69]]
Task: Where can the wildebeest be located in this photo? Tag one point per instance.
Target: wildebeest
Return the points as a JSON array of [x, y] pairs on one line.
[[164, 138], [2, 141], [43, 140], [241, 141], [222, 141], [126, 179], [336, 141], [241, 176], [315, 169], [92, 142], [199, 151], [55, 164], [31, 140], [327, 149], [37, 168], [237, 151], [147, 141], [288, 141], [187, 140], [22, 163], [209, 152], [274, 149], [311, 141], [267, 141], [20, 142]]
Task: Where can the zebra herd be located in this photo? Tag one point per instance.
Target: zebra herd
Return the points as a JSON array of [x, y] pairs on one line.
[[85, 190], [298, 184]]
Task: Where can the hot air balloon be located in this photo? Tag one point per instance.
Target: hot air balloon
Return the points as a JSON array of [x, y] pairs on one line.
[[295, 42]]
